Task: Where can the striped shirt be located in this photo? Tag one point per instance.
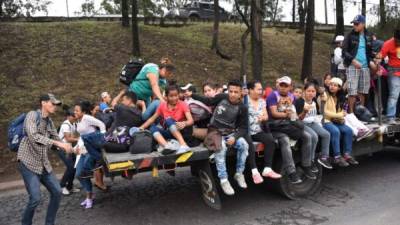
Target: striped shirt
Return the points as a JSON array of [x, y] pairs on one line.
[[33, 150]]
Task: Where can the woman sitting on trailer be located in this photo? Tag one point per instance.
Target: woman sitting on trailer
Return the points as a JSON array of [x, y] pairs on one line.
[[308, 110], [260, 132], [176, 122], [334, 123]]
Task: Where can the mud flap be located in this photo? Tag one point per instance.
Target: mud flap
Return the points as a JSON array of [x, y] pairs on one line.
[[208, 186]]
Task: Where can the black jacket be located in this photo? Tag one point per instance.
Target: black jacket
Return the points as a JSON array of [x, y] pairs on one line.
[[350, 46], [242, 120]]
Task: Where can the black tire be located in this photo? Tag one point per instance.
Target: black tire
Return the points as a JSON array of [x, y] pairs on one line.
[[297, 191]]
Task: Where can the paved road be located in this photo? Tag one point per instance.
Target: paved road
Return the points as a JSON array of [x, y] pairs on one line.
[[367, 195]]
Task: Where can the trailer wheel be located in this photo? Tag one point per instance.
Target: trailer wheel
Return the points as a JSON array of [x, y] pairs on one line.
[[296, 191], [209, 190]]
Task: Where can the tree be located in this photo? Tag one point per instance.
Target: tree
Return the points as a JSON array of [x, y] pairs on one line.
[[326, 11], [243, 40], [214, 43], [293, 11], [339, 18], [382, 12], [272, 11], [363, 7], [256, 15], [135, 30], [15, 8], [125, 13], [302, 14], [306, 70], [87, 8]]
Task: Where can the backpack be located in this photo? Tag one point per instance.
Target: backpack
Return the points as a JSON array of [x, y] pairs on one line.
[[141, 142], [16, 131], [106, 118], [198, 110], [130, 71]]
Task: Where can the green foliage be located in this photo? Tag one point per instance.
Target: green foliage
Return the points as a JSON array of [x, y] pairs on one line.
[[16, 8], [111, 6]]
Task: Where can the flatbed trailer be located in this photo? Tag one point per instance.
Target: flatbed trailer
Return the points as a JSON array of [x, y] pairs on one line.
[[200, 160]]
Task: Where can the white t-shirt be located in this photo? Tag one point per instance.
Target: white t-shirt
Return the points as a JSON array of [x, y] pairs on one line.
[[66, 127], [88, 124], [311, 115], [338, 58]]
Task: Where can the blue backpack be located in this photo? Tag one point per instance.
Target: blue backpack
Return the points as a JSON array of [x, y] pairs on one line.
[[16, 131]]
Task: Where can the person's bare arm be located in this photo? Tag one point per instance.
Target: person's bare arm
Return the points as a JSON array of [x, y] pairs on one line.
[[70, 138], [153, 79], [189, 121], [117, 98], [150, 121], [278, 115]]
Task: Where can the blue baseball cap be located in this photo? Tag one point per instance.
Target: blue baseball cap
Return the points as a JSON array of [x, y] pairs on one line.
[[359, 19]]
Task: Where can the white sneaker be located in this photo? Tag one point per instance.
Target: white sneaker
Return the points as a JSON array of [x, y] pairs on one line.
[[65, 191], [227, 188], [183, 149], [239, 177]]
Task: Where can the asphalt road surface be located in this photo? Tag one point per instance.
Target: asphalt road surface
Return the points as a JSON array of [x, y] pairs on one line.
[[368, 194]]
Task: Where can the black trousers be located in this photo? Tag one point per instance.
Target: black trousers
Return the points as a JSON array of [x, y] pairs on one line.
[[269, 146]]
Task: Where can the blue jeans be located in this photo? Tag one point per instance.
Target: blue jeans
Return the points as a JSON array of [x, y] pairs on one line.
[[340, 132], [169, 126], [151, 109], [317, 132], [93, 143], [394, 90], [85, 182], [32, 184], [242, 151], [68, 178]]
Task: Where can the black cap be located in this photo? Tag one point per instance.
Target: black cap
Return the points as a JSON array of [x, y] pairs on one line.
[[50, 97]]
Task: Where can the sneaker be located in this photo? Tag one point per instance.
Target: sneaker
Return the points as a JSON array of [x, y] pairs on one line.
[[350, 160], [314, 167], [340, 162], [268, 172], [89, 204], [325, 162], [308, 173], [227, 188], [257, 178], [239, 177], [182, 149], [84, 202], [294, 178], [65, 191], [86, 174], [75, 190]]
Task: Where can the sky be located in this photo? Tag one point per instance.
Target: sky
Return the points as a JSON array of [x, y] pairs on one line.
[[58, 8]]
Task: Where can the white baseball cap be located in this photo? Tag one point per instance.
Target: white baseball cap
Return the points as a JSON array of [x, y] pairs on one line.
[[337, 80], [339, 38], [104, 94], [285, 79]]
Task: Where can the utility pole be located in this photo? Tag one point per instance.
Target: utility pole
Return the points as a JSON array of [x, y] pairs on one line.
[[326, 12], [66, 1]]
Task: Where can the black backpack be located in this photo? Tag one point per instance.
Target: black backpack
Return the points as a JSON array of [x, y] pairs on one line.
[[130, 71], [141, 142]]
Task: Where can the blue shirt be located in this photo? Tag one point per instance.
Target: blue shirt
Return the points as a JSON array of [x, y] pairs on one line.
[[103, 106], [362, 52]]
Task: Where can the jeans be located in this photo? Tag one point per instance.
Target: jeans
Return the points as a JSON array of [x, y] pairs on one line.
[[85, 182], [169, 126], [32, 184], [306, 150], [269, 146], [317, 132], [241, 147], [67, 179], [286, 152], [151, 109], [93, 143], [394, 90], [340, 132]]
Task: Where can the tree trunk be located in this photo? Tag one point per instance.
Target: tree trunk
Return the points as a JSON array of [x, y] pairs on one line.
[[326, 12], [243, 39], [302, 15], [382, 12], [215, 44], [294, 11], [363, 7], [125, 13], [275, 11], [1, 8], [135, 30], [256, 39], [306, 70], [339, 18]]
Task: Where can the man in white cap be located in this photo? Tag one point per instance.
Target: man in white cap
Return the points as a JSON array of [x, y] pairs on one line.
[[105, 101], [338, 59], [280, 107]]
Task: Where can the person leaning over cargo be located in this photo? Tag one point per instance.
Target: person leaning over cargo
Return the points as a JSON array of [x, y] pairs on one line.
[[228, 128], [334, 123], [33, 159], [149, 83]]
